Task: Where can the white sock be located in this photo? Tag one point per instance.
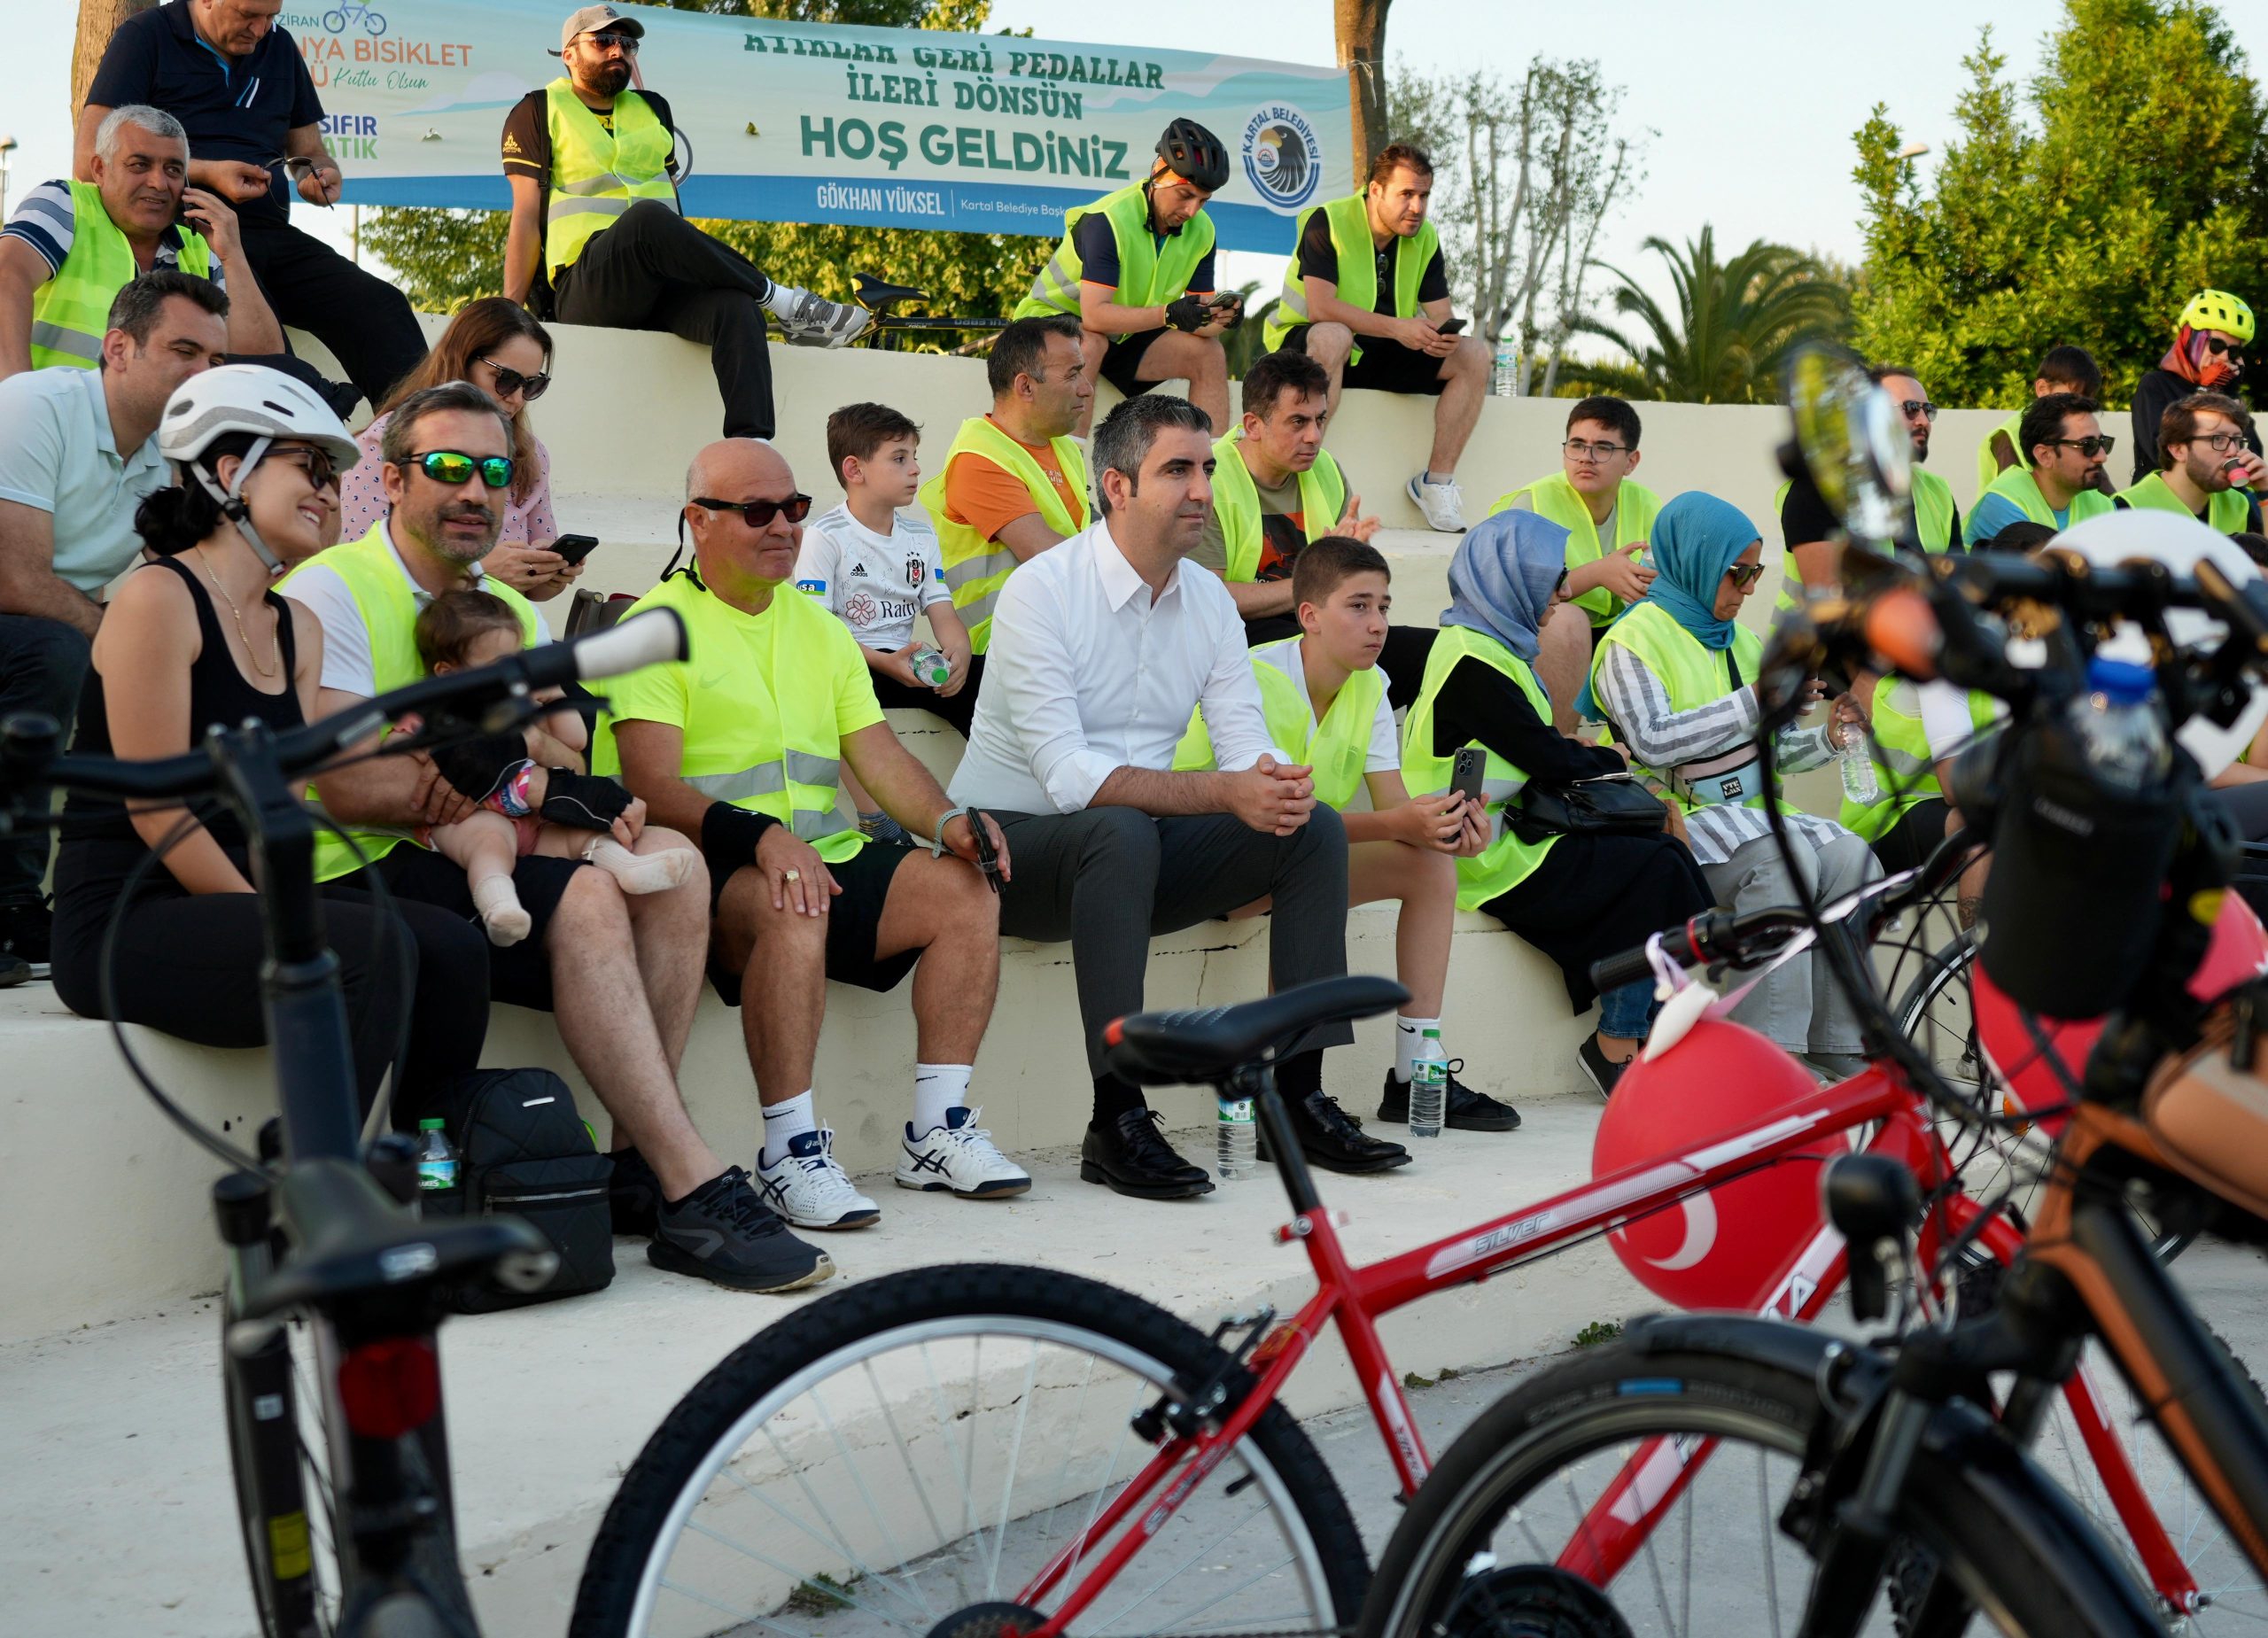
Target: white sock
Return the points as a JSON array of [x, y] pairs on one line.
[[784, 1122], [936, 1089], [500, 912], [1409, 1039], [1434, 477], [641, 872], [780, 298]]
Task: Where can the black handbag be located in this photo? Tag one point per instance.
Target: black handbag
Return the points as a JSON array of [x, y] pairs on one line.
[[1605, 804]]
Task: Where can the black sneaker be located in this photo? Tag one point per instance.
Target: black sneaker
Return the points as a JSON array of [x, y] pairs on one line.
[[722, 1232], [1330, 1138], [14, 970], [635, 1196], [1468, 1111], [25, 931], [1603, 1071]]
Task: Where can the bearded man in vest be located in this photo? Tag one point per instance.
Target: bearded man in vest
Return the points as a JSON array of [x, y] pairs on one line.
[[596, 223], [621, 974], [2204, 468], [1809, 532], [1607, 516], [2065, 484], [1014, 481], [743, 744], [1367, 297], [1134, 268]]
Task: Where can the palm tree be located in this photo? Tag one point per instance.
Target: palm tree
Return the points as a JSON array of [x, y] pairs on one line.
[[1735, 323]]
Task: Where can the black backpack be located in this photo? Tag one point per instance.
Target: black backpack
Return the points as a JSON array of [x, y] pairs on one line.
[[522, 1149]]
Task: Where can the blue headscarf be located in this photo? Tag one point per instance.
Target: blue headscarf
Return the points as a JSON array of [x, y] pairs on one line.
[[1502, 579], [1694, 539]]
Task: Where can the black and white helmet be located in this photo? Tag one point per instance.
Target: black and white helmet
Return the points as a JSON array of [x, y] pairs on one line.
[[261, 403], [1195, 155]]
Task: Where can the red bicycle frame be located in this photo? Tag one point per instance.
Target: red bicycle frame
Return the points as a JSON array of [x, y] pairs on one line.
[[1353, 1299]]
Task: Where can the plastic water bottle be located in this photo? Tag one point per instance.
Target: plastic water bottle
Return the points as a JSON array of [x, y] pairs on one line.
[[1429, 1086], [2114, 720], [930, 669], [1859, 781], [436, 1157], [1238, 1150]]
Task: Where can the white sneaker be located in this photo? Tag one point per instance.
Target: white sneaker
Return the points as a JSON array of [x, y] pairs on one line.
[[1443, 504], [810, 320], [959, 1156], [809, 1188]]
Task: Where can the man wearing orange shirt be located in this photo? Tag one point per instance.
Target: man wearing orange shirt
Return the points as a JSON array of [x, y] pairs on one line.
[[1014, 481]]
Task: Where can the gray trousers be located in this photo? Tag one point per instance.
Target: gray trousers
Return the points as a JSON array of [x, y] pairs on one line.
[[1797, 1005], [1109, 879]]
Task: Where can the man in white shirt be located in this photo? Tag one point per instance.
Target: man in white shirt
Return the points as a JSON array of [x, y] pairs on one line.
[[1100, 649]]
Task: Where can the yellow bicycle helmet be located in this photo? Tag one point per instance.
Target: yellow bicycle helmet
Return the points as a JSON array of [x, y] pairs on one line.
[[2216, 309]]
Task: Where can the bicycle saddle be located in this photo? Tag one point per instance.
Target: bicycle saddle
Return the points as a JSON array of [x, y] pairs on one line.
[[878, 296], [350, 1237], [1208, 1043]]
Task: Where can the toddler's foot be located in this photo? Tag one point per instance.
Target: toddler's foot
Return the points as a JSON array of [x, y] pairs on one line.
[[501, 910], [641, 872]]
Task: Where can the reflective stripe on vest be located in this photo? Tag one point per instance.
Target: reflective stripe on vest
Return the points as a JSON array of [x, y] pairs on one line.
[[977, 568], [1933, 526], [1987, 468], [1350, 221], [388, 605], [595, 176], [1149, 275], [1336, 748], [759, 731], [2225, 512], [1507, 861], [1690, 671], [1235, 502], [71, 311], [1636, 508], [2022, 487], [1905, 774]]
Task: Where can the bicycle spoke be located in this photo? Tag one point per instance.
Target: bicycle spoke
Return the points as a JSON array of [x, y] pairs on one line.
[[1008, 1478], [858, 1477], [839, 1595], [1764, 1514]]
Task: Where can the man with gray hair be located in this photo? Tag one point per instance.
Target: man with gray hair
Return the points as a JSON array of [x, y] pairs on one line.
[[71, 246], [1101, 648], [238, 86]]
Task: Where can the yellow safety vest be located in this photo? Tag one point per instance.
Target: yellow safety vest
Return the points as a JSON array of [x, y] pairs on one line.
[[977, 568], [1933, 514], [1235, 502], [1149, 274], [388, 606], [1988, 468], [1337, 746], [1636, 508], [594, 176], [1350, 221], [2225, 512], [71, 311], [2021, 486], [1508, 861], [759, 732], [1692, 673]]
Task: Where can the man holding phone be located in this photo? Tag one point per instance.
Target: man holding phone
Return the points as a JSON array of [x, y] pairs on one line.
[[1367, 297]]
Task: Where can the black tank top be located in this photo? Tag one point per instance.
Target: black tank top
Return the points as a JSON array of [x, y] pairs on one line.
[[217, 692]]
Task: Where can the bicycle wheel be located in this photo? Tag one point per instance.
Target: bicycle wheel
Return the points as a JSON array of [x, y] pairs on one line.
[[1478, 1554], [907, 1455]]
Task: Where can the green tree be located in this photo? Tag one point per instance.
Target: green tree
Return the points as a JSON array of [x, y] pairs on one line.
[[1735, 325], [2141, 177], [445, 259]]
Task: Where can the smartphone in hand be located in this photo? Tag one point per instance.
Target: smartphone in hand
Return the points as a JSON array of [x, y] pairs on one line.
[[1450, 327], [1467, 773], [574, 547]]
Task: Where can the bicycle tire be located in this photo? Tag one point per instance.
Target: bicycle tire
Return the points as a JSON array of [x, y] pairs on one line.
[[750, 1387], [2028, 1560]]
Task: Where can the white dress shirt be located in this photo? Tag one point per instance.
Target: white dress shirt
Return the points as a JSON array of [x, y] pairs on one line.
[[1086, 673]]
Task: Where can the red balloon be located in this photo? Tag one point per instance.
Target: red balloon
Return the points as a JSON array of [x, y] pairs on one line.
[[1722, 1249]]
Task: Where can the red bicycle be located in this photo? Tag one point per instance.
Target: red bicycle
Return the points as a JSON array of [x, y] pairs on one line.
[[986, 1451]]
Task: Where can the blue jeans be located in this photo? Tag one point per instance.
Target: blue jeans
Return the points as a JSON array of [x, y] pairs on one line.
[[43, 666], [1626, 1013]]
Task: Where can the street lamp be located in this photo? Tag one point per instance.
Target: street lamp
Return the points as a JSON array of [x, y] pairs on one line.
[[1913, 151]]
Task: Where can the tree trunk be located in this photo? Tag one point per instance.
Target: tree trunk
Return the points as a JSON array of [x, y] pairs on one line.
[[1361, 28], [99, 19]]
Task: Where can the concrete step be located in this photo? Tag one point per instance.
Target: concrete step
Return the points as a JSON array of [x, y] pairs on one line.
[[121, 1462]]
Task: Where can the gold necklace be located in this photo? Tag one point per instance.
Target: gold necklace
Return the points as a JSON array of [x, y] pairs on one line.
[[250, 653]]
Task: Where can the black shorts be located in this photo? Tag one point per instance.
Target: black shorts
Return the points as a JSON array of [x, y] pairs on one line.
[[959, 709], [1122, 359], [1385, 367], [521, 972], [853, 923]]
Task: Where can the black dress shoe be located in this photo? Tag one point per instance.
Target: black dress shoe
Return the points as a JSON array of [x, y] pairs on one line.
[[1333, 1141], [1468, 1111], [1130, 1156]]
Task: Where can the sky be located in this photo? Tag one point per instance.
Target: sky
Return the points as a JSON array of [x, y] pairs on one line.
[[1755, 105]]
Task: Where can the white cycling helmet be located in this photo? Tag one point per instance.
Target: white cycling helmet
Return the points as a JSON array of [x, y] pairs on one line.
[[2177, 542], [251, 400]]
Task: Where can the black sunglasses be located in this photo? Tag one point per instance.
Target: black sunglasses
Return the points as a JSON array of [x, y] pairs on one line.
[[1920, 407], [628, 43], [2100, 445], [1744, 575], [758, 513], [2234, 349], [454, 469], [321, 470], [509, 381]]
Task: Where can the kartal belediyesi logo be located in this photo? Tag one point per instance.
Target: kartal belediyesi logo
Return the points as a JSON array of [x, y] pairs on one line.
[[1282, 158]]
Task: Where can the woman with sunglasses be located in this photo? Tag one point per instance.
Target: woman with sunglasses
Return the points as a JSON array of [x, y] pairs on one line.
[[198, 635], [1675, 679], [494, 344], [2210, 339]]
